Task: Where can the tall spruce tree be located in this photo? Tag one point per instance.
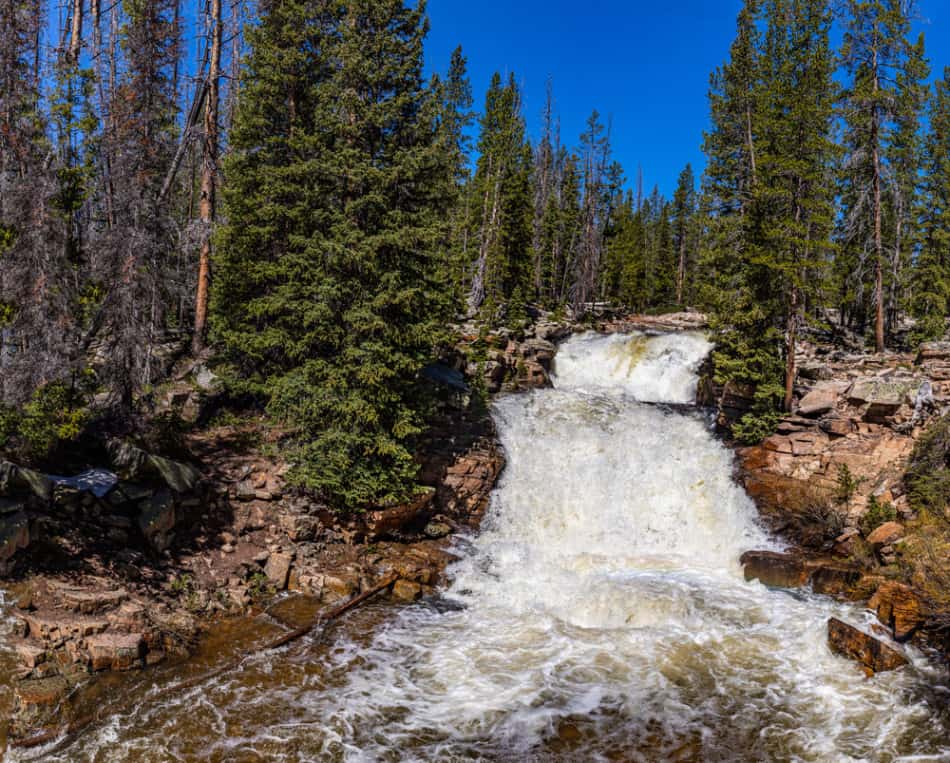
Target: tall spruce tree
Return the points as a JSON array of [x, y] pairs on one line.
[[878, 58], [684, 232], [326, 302], [930, 304], [501, 203], [770, 193]]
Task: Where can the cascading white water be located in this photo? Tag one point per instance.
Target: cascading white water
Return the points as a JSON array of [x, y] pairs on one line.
[[600, 614]]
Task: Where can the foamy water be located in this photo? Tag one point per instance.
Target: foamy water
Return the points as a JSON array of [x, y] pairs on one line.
[[600, 614]]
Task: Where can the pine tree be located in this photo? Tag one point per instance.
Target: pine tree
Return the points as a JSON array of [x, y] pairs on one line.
[[326, 300], [931, 295], [455, 119], [501, 202], [879, 60], [684, 224], [773, 206]]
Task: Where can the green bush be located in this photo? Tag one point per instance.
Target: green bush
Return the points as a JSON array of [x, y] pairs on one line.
[[847, 485], [752, 428], [56, 413], [876, 515], [928, 476]]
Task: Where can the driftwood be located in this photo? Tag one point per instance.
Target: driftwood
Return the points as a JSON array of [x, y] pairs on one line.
[[79, 724]]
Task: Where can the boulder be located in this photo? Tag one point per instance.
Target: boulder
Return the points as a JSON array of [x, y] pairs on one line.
[[836, 580], [883, 396], [846, 543], [14, 534], [35, 698], [157, 519], [17, 480], [775, 569], [886, 534], [90, 602], [277, 569], [406, 590], [899, 608], [387, 521], [873, 654], [115, 651], [819, 400], [933, 351], [134, 464]]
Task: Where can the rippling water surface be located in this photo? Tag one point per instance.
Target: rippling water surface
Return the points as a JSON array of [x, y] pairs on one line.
[[600, 614]]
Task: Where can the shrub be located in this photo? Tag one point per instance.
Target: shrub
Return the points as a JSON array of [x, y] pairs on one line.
[[56, 413], [928, 476], [847, 484], [876, 515], [752, 428]]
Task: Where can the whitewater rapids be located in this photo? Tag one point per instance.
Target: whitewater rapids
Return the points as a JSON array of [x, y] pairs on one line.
[[600, 614]]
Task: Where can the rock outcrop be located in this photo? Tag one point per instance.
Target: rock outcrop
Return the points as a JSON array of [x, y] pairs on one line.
[[873, 654]]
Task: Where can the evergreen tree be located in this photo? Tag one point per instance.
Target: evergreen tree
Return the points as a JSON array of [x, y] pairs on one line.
[[455, 119], [684, 227], [880, 62], [931, 296], [772, 205], [326, 301], [501, 202]]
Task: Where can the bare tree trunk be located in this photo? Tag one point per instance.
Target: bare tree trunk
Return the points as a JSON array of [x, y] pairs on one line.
[[75, 33], [681, 270], [209, 170], [791, 340]]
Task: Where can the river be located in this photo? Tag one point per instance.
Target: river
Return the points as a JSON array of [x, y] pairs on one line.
[[599, 614]]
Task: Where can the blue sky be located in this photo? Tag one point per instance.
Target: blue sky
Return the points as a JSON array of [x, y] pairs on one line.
[[645, 64]]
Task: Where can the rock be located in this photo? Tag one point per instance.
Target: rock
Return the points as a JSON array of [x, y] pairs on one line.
[[16, 480], [933, 351], [846, 543], [873, 654], [899, 608], [836, 580], [821, 399], [395, 519], [775, 569], [245, 490], [816, 371], [405, 590], [300, 527], [157, 519], [36, 697], [883, 396], [541, 350], [836, 426], [116, 651], [886, 534], [204, 378], [437, 530], [30, 655], [277, 569], [135, 464], [14, 534], [91, 602]]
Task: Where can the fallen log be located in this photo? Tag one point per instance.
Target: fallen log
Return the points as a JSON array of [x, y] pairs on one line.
[[80, 724]]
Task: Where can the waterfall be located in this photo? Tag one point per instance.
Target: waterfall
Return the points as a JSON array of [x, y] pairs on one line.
[[599, 614]]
